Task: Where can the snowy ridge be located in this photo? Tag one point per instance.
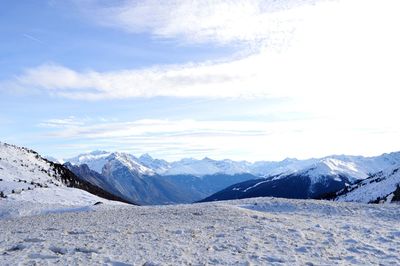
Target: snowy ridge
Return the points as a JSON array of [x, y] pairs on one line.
[[157, 165], [98, 159], [22, 169], [334, 168], [95, 160], [353, 167], [207, 166]]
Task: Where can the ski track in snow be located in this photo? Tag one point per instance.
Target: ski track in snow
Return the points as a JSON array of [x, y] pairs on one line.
[[260, 231], [256, 185]]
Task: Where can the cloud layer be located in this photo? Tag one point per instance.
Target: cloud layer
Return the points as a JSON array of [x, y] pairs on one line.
[[235, 139], [168, 139], [337, 50], [333, 60], [223, 21]]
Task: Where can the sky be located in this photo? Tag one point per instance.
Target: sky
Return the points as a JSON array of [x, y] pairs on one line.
[[239, 79]]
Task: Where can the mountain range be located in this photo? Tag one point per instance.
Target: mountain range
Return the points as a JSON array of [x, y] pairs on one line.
[[149, 181], [358, 167], [208, 180], [145, 180]]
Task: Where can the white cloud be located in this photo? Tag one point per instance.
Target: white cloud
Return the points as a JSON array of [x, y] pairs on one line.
[[199, 21], [250, 140], [215, 80], [341, 64], [62, 123], [339, 51]]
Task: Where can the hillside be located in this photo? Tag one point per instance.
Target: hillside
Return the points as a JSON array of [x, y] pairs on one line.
[[26, 176]]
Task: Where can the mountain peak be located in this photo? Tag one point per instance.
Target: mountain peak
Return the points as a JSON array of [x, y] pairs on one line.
[[146, 156], [119, 159], [98, 152]]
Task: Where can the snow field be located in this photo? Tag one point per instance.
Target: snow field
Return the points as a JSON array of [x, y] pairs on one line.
[[260, 231]]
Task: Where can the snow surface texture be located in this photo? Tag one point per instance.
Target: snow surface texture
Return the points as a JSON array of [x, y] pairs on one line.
[[25, 176], [259, 231]]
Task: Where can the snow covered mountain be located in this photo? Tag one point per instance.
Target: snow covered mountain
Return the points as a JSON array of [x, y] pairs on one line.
[[381, 187], [96, 160], [316, 177], [139, 179], [207, 166], [148, 165], [357, 167], [26, 176], [157, 165]]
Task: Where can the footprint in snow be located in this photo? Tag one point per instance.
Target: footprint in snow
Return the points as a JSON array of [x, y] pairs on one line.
[[110, 262], [86, 250], [149, 263], [350, 241], [34, 240], [41, 256], [395, 234], [58, 250], [17, 247], [274, 259], [302, 249], [179, 232], [76, 232], [354, 250]]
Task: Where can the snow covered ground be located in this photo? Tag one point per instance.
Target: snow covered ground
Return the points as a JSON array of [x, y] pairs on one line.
[[258, 231]]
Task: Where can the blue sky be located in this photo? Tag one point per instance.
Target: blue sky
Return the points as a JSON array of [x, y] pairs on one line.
[[254, 80]]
